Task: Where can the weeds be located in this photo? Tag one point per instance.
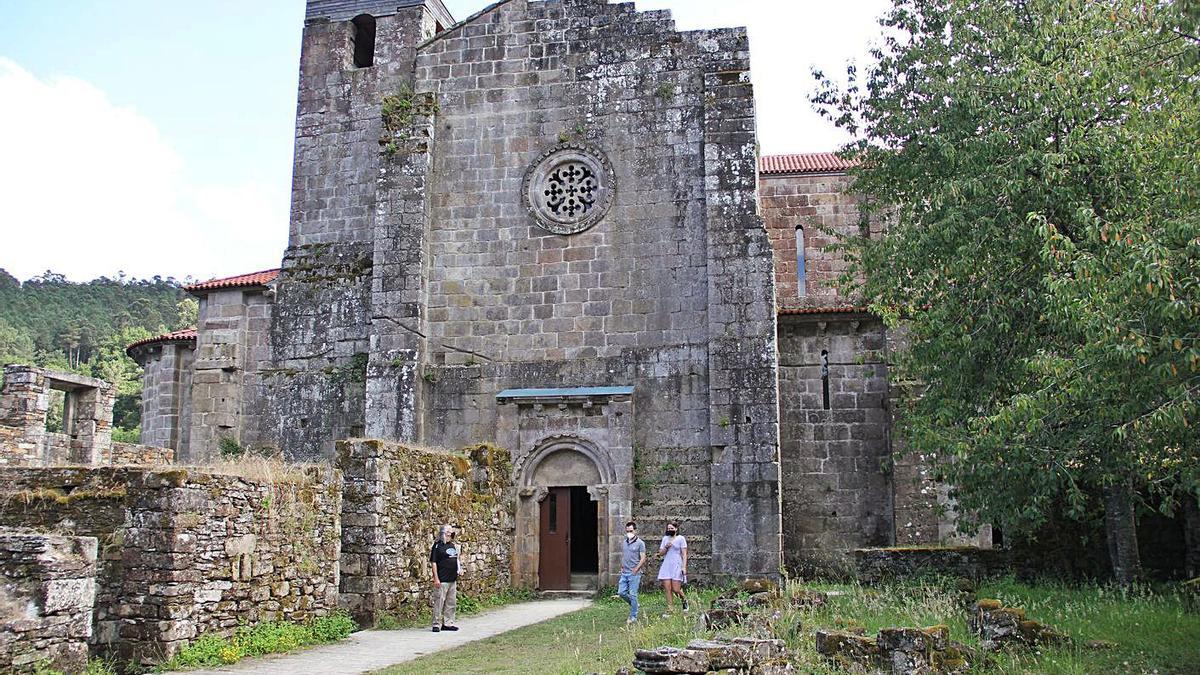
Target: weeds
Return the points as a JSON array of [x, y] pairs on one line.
[[272, 637]]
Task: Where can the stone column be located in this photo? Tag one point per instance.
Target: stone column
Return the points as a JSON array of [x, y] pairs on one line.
[[24, 403], [92, 433], [743, 391]]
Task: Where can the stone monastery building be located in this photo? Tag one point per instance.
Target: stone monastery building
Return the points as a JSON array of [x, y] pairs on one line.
[[548, 227]]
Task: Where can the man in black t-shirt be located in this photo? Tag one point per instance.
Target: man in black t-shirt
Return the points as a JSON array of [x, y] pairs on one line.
[[444, 565]]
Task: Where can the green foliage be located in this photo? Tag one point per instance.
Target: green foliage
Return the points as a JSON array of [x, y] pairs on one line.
[[1041, 174], [272, 637], [85, 327], [230, 448], [133, 435], [94, 667]]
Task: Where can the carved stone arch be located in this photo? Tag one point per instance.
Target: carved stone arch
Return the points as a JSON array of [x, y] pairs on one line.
[[526, 469]]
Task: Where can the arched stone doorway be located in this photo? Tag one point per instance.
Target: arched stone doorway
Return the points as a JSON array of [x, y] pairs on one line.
[[570, 514]]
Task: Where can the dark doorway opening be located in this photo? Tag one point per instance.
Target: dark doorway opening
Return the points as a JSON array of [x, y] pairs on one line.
[[568, 540], [585, 557]]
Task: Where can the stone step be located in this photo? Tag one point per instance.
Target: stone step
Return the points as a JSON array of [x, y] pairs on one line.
[[581, 595]]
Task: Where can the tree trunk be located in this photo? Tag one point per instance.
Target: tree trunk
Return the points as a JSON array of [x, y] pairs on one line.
[[1121, 528], [1191, 534]]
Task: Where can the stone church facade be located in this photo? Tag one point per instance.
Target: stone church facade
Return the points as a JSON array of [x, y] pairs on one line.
[[548, 227]]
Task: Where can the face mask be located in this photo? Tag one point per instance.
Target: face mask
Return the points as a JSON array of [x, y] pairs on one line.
[[671, 533], [630, 535]]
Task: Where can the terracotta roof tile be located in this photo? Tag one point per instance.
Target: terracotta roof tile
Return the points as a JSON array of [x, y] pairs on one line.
[[789, 311], [809, 162], [185, 335], [242, 280]]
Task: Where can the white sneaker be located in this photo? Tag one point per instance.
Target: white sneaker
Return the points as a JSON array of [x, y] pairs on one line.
[[630, 620]]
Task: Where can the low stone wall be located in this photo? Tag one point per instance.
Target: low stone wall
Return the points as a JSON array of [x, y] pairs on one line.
[[395, 500], [46, 595], [123, 454], [89, 502], [57, 449], [186, 552], [879, 564]]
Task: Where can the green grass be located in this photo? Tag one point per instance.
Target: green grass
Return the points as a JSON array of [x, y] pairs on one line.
[[467, 606], [271, 637], [1152, 631]]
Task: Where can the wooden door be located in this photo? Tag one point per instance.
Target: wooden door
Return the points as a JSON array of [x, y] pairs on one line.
[[554, 539]]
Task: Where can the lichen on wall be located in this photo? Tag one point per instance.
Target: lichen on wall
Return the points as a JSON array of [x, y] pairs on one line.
[[395, 501]]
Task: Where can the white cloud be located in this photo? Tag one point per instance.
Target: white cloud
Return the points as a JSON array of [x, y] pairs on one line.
[[89, 187]]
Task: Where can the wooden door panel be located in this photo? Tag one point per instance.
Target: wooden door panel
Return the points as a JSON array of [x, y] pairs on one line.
[[554, 539]]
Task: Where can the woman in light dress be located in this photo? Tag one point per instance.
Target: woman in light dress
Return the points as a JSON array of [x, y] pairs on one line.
[[673, 572]]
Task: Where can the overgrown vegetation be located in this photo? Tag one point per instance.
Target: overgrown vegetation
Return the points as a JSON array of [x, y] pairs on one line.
[[84, 328], [272, 637], [398, 111], [94, 667], [1150, 629], [1038, 165]]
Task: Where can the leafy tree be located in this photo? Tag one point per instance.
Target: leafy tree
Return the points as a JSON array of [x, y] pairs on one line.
[[1040, 164], [85, 327], [15, 345]]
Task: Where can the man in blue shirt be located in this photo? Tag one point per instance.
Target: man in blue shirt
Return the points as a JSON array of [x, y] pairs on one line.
[[632, 562]]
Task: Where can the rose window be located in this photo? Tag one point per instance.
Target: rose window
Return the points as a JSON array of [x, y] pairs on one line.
[[569, 189]]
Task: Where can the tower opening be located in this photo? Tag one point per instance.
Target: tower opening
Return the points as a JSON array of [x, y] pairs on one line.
[[364, 40]]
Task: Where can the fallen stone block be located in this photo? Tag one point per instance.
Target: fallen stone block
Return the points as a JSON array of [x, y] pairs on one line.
[[671, 660], [715, 619], [807, 598], [998, 626], [910, 651], [848, 650]]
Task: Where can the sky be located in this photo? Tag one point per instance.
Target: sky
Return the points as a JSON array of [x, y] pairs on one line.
[[152, 137]]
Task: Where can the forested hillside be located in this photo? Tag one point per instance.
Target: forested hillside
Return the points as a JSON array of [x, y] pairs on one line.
[[85, 327]]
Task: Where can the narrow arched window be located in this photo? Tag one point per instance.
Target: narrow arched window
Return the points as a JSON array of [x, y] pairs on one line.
[[364, 40], [825, 379], [801, 274]]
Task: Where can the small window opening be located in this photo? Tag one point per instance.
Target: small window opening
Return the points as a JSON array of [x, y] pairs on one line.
[[825, 379], [801, 274], [553, 525], [364, 40]]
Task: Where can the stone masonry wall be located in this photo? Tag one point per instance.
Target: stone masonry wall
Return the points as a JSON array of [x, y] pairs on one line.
[[126, 454], [232, 350], [829, 211], [166, 394], [837, 492], [639, 299], [25, 403], [77, 501], [47, 589], [320, 328], [185, 552], [396, 498]]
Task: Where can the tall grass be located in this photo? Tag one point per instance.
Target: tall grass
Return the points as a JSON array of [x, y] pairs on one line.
[[1151, 630]]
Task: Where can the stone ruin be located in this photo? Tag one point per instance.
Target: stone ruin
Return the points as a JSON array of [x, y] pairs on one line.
[[158, 556], [86, 435]]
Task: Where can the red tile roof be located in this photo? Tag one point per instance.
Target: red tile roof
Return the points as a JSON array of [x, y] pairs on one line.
[[185, 335], [240, 281], [809, 162], [788, 311]]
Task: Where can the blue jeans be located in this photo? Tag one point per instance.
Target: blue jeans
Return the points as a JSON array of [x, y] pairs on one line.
[[627, 588]]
